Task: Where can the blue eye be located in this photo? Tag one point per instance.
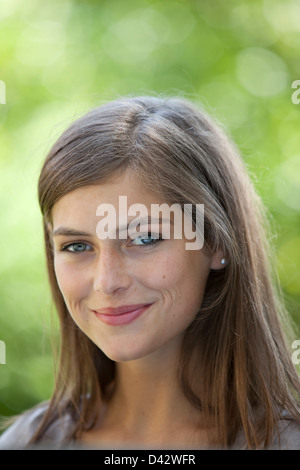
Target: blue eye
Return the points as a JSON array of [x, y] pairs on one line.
[[146, 240], [76, 247]]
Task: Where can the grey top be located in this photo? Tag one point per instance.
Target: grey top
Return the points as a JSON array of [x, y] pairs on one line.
[[19, 433]]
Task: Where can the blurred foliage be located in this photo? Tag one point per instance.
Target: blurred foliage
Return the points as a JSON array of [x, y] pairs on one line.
[[59, 58]]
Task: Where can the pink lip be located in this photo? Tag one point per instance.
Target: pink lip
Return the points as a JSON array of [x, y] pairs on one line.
[[121, 315]]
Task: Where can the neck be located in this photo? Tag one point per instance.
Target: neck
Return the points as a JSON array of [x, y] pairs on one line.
[[147, 402]]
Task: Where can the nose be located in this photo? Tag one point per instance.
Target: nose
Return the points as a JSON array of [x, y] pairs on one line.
[[111, 272]]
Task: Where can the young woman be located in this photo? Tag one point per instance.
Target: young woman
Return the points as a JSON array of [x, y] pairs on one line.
[[162, 345]]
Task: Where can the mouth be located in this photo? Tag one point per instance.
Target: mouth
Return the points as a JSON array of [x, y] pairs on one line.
[[121, 315]]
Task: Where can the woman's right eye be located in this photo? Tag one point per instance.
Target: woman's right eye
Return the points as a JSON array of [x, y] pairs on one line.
[[76, 247]]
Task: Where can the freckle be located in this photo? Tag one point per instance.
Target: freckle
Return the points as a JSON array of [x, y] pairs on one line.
[[164, 277]]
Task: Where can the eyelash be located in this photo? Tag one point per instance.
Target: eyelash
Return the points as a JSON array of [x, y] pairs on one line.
[[68, 245], [152, 243]]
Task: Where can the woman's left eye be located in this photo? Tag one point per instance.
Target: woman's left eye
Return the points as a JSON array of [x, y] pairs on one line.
[[146, 240], [76, 247]]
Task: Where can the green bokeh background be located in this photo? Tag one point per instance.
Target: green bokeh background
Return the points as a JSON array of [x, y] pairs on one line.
[[59, 58]]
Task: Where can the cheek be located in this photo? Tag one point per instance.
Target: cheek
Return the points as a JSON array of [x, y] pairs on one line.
[[161, 273], [171, 273], [182, 278], [72, 283]]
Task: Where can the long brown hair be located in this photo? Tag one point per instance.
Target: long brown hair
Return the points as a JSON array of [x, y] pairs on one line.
[[236, 342]]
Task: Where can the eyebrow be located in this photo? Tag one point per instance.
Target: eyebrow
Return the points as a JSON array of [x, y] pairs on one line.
[[70, 232]]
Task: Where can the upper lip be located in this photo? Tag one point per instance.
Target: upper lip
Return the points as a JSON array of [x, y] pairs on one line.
[[120, 310]]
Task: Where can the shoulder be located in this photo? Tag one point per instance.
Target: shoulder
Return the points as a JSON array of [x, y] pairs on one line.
[[288, 436], [19, 434]]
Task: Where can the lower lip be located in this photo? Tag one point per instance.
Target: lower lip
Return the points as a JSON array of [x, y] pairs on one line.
[[122, 319]]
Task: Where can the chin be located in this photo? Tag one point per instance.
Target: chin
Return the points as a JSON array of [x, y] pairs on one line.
[[121, 355]]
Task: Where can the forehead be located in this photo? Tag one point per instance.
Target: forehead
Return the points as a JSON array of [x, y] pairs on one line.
[[83, 202]]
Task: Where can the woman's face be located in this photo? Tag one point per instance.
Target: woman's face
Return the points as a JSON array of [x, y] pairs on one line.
[[131, 297]]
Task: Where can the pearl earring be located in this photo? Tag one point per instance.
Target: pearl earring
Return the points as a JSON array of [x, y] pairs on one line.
[[223, 261]]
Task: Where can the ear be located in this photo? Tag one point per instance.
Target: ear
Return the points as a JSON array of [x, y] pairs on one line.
[[218, 261]]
